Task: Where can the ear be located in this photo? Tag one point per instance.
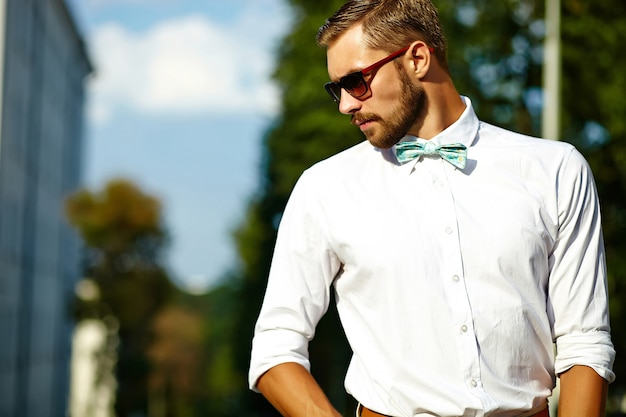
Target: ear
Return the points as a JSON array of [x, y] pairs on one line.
[[421, 56]]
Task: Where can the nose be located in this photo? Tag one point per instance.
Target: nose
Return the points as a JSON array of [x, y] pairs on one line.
[[349, 104]]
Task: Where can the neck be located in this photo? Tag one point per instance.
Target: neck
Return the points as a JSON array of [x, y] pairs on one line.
[[444, 106]]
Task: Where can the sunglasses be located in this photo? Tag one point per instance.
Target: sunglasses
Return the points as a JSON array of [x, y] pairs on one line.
[[354, 83]]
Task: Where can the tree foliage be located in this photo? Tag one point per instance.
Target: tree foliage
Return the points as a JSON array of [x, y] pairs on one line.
[[495, 55], [212, 387], [176, 353], [308, 130], [594, 119], [123, 235]]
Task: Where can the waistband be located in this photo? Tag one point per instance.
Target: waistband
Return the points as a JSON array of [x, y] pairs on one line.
[[362, 411]]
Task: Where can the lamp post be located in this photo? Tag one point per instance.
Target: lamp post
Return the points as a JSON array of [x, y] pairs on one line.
[[550, 126]]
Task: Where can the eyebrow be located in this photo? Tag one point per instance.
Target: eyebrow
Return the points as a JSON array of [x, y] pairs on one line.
[[347, 73]]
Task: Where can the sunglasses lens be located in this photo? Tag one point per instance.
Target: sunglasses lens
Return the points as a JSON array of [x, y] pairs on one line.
[[354, 84], [359, 90]]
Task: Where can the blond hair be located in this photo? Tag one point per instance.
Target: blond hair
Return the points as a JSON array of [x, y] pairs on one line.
[[388, 25]]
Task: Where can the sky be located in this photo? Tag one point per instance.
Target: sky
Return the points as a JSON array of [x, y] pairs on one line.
[[178, 103]]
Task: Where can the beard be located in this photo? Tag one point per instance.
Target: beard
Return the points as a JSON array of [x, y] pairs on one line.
[[406, 114]]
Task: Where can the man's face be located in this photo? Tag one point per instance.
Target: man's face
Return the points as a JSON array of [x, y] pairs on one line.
[[394, 102]]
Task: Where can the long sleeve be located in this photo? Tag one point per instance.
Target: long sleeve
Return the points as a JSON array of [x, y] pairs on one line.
[[299, 285], [577, 286]]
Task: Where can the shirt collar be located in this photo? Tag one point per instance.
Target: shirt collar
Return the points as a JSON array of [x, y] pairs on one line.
[[463, 131]]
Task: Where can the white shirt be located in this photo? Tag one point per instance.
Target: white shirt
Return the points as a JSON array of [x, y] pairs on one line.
[[451, 285]]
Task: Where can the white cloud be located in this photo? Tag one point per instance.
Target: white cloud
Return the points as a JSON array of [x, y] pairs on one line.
[[185, 65]]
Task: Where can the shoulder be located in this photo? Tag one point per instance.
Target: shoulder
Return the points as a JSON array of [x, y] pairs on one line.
[[339, 175], [509, 145], [362, 156], [537, 159], [353, 155], [494, 135]]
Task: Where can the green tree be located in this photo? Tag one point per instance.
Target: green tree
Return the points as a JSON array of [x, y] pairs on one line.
[[176, 383], [215, 387], [495, 54], [308, 130], [594, 119], [123, 235]]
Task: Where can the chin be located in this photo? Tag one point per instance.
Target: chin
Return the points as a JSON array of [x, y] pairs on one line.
[[377, 143], [384, 143]]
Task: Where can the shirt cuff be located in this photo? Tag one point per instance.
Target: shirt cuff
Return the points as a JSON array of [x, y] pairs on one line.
[[273, 347], [592, 349]]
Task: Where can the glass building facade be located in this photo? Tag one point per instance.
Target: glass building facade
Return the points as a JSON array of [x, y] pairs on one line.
[[43, 65]]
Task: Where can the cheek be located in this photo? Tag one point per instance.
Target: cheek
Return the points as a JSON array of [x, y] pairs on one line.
[[387, 91]]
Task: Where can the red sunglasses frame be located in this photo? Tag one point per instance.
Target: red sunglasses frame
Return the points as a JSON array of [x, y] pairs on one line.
[[333, 87]]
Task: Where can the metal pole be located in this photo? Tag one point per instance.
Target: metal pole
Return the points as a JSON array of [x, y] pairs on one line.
[[550, 128], [3, 29], [552, 103]]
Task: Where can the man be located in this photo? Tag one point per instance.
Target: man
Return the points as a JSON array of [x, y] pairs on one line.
[[459, 252]]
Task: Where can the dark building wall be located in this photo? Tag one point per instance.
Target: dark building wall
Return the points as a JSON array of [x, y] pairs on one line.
[[41, 125]]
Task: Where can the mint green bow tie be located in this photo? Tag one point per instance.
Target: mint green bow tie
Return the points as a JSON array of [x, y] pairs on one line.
[[455, 153]]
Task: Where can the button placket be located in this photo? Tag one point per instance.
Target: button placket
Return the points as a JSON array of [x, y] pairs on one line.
[[444, 219], [456, 291]]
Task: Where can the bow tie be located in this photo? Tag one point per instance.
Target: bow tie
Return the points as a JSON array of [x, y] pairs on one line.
[[455, 153]]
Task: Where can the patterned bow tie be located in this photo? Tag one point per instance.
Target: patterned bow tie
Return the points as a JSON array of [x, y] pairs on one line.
[[455, 153]]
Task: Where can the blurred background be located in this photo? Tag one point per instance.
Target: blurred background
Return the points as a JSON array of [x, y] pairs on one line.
[[147, 150]]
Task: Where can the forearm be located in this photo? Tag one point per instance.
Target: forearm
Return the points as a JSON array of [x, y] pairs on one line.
[[293, 391], [583, 393]]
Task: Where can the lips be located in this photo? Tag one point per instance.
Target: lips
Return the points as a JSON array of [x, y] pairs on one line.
[[361, 122], [364, 125]]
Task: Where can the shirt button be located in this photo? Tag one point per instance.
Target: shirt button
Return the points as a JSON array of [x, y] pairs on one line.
[[464, 328], [455, 278], [473, 383], [448, 230]]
